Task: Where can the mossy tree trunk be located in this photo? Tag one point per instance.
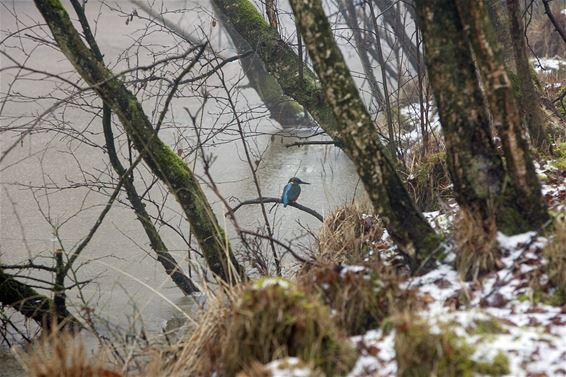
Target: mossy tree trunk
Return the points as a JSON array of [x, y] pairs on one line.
[[32, 304], [529, 97], [375, 167], [475, 168], [505, 115], [279, 59], [183, 282], [162, 161], [282, 108]]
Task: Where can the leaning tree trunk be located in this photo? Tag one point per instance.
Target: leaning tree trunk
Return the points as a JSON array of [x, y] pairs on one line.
[[170, 265], [505, 115], [162, 161], [475, 167], [529, 97], [32, 304], [375, 166], [279, 58]]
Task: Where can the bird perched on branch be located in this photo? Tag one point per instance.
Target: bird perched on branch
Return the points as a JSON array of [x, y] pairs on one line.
[[292, 190]]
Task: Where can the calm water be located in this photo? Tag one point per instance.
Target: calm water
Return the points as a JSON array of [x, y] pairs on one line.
[[126, 280]]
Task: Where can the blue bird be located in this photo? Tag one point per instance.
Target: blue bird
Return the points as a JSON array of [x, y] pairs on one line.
[[292, 190]]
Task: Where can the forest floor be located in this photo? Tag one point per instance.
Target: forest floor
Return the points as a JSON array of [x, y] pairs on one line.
[[510, 311]]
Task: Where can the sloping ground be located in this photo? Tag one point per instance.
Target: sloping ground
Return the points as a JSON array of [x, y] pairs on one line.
[[503, 314]]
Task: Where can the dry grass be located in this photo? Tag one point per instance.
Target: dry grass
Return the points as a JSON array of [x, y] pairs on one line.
[[274, 319], [429, 181], [347, 234], [476, 245], [61, 354], [555, 252], [360, 300]]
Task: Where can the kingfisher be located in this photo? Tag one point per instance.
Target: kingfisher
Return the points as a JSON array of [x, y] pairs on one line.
[[292, 190]]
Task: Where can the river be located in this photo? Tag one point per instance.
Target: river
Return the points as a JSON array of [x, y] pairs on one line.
[[127, 284]]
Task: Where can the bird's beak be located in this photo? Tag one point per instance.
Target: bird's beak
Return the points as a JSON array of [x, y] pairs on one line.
[[304, 183]]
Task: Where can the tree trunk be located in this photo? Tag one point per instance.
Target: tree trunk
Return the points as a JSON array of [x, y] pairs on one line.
[[506, 117], [391, 17], [474, 165], [529, 98], [375, 167], [162, 161], [32, 304], [279, 59], [183, 282], [282, 108], [348, 10]]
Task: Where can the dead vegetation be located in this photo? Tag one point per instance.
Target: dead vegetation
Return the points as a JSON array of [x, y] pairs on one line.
[[272, 319], [348, 234], [429, 181], [360, 297], [476, 246], [555, 252], [62, 354]]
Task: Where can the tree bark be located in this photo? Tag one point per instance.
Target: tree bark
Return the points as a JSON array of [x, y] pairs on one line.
[[280, 60], [348, 10], [474, 165], [529, 97], [162, 161], [32, 304], [506, 117], [376, 168], [183, 282]]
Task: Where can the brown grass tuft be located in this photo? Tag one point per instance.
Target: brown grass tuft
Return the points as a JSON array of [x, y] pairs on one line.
[[555, 252], [360, 297], [429, 181], [61, 354], [347, 234], [476, 245], [274, 319]]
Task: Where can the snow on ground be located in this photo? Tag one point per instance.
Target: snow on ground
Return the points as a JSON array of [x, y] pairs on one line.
[[544, 64], [412, 113], [532, 335]]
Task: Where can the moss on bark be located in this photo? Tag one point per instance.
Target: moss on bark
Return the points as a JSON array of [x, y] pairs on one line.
[[162, 161], [357, 133], [525, 190]]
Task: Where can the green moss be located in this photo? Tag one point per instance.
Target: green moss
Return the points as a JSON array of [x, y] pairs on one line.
[[555, 298], [487, 327], [420, 353], [498, 367], [560, 162]]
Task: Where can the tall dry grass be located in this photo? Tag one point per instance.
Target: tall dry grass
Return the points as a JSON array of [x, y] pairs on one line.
[[348, 234]]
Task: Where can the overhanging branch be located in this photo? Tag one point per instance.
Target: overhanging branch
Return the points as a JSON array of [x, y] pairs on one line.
[[266, 200]]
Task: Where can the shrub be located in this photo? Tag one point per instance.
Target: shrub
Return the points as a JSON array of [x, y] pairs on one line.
[[360, 297], [274, 319]]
